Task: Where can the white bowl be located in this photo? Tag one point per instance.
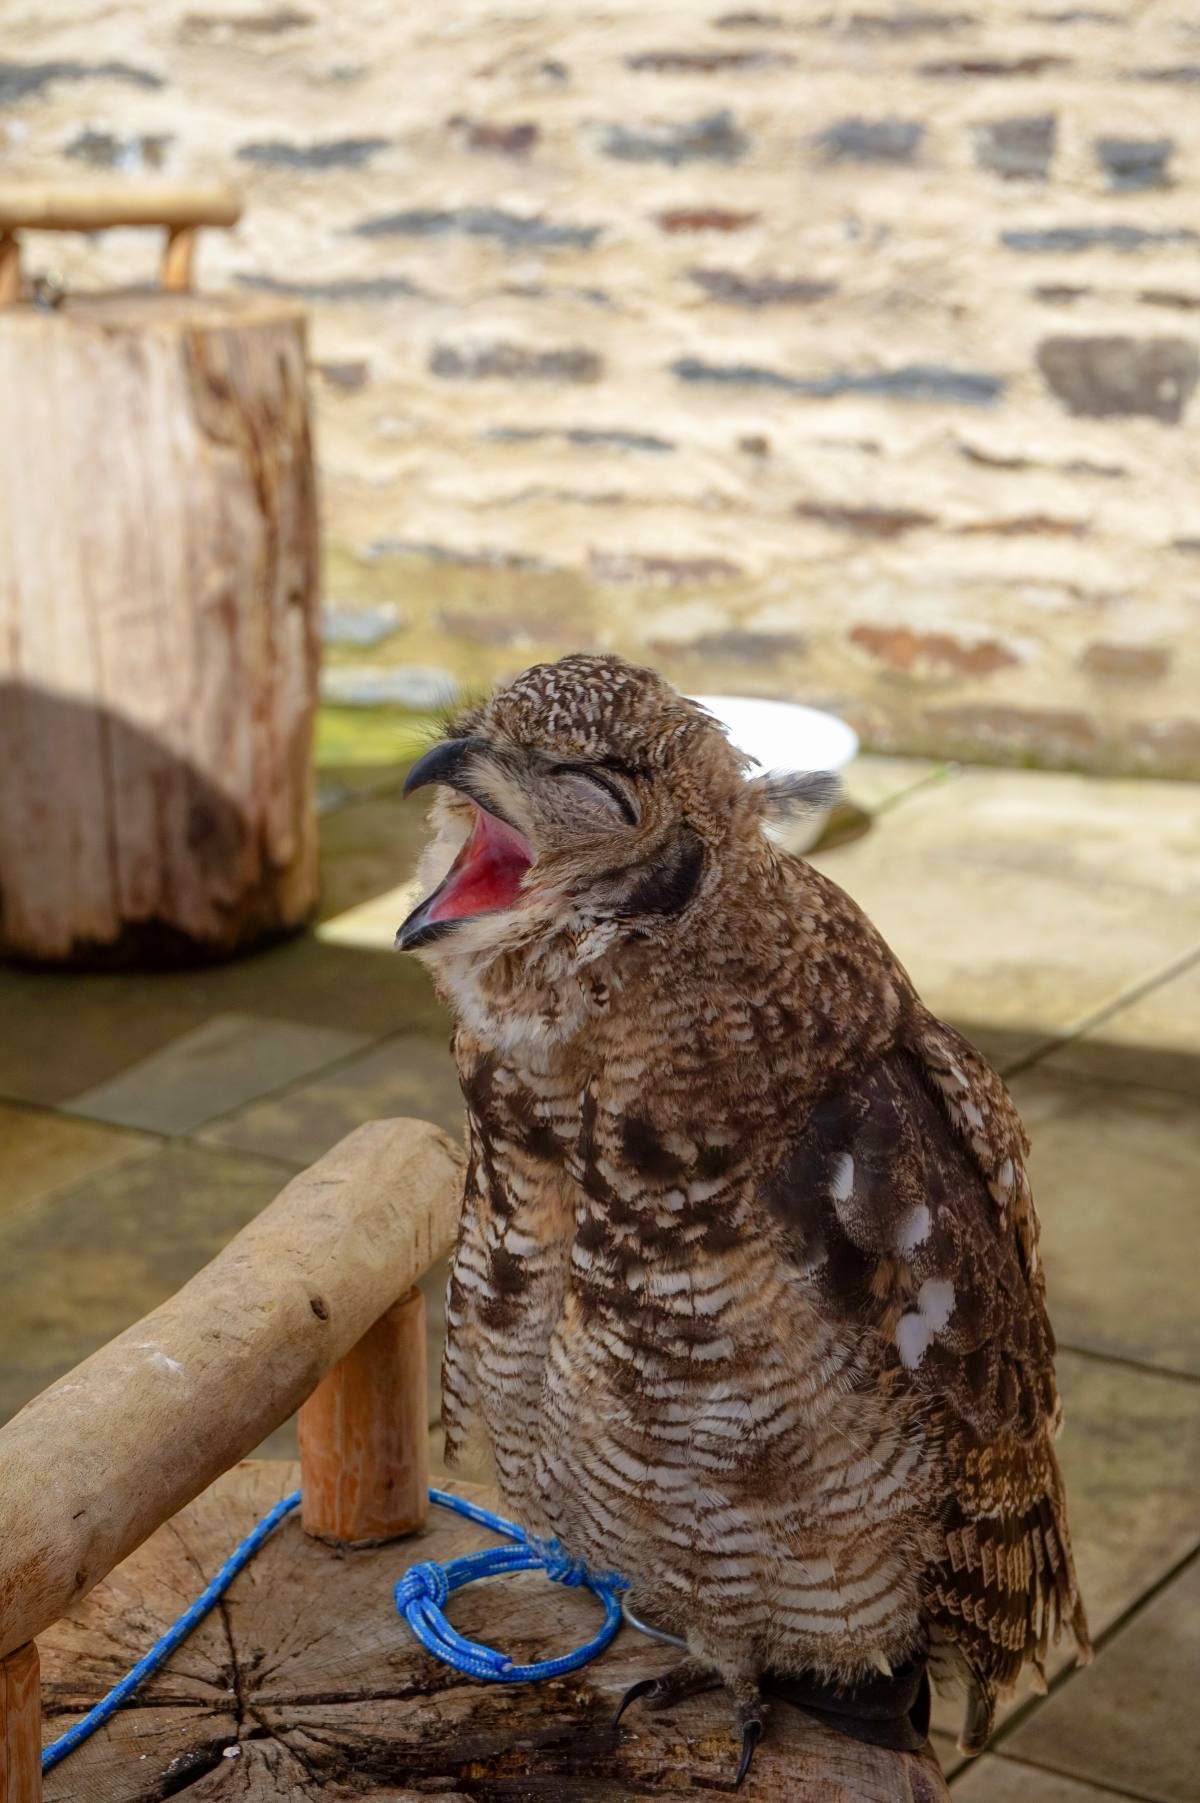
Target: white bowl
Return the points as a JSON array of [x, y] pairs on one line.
[[783, 735]]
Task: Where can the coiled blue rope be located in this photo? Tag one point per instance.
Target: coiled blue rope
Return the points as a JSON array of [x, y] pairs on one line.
[[421, 1595]]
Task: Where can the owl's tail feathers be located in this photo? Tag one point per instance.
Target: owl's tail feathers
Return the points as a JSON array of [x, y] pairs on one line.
[[884, 1711], [979, 1718]]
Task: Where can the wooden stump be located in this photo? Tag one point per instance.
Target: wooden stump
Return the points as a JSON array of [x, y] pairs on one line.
[[307, 1685], [158, 628]]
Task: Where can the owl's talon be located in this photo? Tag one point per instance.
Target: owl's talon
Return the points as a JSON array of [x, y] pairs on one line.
[[752, 1727], [642, 1688]]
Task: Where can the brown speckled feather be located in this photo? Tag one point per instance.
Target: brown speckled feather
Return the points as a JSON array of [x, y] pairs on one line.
[[747, 1300]]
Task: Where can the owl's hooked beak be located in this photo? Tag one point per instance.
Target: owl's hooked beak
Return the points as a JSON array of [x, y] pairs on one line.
[[486, 875]]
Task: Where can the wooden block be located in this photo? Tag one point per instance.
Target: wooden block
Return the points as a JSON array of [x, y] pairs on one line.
[[179, 255], [21, 1727], [364, 1443]]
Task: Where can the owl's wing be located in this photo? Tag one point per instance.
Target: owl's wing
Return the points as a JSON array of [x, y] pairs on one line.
[[905, 1197]]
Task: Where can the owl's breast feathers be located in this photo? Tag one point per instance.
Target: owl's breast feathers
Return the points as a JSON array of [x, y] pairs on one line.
[[766, 1194]]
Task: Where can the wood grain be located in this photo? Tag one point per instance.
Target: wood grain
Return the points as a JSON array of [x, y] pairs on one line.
[[20, 1727], [364, 1439], [95, 205], [159, 639], [96, 1463], [310, 1687]]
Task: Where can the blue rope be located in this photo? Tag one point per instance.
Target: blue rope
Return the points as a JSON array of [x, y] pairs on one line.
[[421, 1595]]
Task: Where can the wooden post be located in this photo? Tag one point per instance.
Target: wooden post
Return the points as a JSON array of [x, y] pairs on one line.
[[10, 268], [179, 254], [364, 1441], [21, 1726]]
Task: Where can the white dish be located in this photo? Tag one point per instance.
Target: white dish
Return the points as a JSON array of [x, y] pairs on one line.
[[784, 735]]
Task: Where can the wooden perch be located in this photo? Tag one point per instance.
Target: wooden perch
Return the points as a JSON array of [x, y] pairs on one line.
[[99, 205], [94, 1465]]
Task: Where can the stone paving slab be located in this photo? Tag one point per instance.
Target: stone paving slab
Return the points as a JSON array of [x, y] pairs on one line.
[[227, 1062], [1116, 1177], [1021, 905], [1154, 1040], [1133, 1723], [994, 1779], [41, 1152], [80, 1266], [370, 848], [408, 1074]]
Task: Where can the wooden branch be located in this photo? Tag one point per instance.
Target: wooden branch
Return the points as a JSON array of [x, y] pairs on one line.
[[95, 206], [21, 1727], [179, 257], [364, 1442], [91, 1467]]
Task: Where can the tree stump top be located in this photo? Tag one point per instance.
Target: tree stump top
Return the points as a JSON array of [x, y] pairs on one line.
[[306, 1684]]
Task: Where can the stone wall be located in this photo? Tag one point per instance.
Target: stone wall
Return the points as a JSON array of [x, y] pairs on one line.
[[846, 350]]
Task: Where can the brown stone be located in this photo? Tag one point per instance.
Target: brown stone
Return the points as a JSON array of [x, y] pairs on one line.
[[514, 140], [1043, 525], [704, 219], [865, 522], [1052, 732], [1133, 663], [905, 649]]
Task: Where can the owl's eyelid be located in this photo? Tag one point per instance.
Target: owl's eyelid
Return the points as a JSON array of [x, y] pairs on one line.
[[611, 789]]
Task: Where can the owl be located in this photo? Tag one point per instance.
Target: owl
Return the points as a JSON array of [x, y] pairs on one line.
[[747, 1302]]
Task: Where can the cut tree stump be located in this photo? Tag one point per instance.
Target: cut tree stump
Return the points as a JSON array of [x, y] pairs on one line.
[[306, 1685], [158, 628]]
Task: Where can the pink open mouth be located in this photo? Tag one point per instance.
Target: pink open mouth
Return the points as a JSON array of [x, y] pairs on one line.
[[485, 875], [484, 878]]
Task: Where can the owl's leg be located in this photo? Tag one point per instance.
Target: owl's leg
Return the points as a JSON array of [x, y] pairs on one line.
[[749, 1714]]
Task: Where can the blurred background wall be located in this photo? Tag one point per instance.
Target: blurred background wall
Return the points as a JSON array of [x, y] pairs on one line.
[[840, 351]]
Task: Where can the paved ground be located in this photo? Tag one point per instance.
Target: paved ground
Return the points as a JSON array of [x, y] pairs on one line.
[[1055, 919]]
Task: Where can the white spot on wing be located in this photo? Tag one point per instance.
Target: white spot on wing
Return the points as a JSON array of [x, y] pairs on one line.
[[914, 1229], [841, 1176], [935, 1299], [914, 1330], [913, 1334]]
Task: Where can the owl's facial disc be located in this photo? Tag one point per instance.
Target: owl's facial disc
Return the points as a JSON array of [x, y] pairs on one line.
[[484, 878]]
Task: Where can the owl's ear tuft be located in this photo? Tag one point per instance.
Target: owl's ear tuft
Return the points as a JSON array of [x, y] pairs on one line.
[[782, 794]]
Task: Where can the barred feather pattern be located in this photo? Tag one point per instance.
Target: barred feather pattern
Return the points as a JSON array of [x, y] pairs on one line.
[[747, 1298]]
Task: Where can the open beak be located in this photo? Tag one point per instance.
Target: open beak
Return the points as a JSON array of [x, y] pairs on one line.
[[486, 875]]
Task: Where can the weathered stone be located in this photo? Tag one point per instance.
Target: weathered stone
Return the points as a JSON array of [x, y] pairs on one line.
[[270, 22], [597, 438], [1178, 75], [1019, 149], [1130, 663], [361, 290], [737, 645], [704, 219], [403, 685], [329, 153], [1055, 734], [504, 362], [749, 21], [19, 80], [484, 557], [905, 22], [706, 62], [1059, 238], [738, 290], [103, 150], [1103, 377], [341, 625], [517, 229], [1170, 297], [346, 376], [912, 382], [712, 138], [865, 521], [871, 140], [904, 649], [1060, 294], [995, 66], [1135, 162], [512, 140], [1022, 525], [637, 566], [592, 297]]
